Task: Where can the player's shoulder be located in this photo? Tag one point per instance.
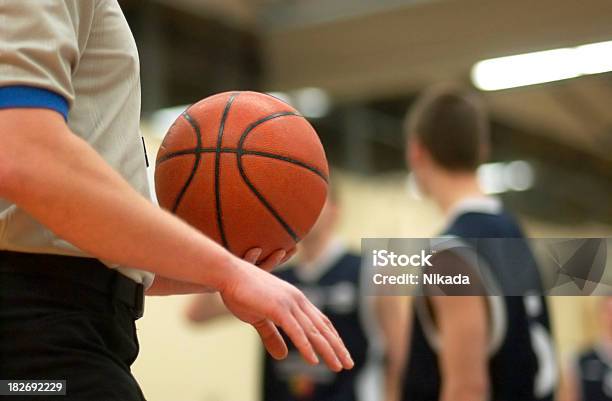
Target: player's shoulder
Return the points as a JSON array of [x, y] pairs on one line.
[[345, 268], [351, 259], [474, 224], [348, 262]]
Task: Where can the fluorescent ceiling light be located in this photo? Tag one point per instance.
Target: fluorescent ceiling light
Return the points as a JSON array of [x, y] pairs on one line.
[[496, 178], [493, 178], [310, 102], [544, 66]]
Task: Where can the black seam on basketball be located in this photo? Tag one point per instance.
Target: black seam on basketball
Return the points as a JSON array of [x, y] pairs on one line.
[[275, 98], [184, 152], [285, 159], [249, 184], [258, 153], [228, 105], [257, 123], [196, 162]]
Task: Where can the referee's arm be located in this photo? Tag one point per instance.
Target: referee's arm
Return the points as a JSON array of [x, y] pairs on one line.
[[166, 286], [62, 182]]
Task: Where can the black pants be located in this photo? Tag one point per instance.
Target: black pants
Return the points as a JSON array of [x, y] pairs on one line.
[[61, 318]]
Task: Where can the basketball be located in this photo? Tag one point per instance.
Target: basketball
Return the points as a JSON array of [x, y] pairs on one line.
[[244, 168]]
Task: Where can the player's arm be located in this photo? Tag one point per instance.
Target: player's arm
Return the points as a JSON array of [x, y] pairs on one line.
[[206, 307], [62, 182], [462, 325], [569, 389], [392, 313]]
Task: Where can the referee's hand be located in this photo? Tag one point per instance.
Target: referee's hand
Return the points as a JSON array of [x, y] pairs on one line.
[[265, 302]]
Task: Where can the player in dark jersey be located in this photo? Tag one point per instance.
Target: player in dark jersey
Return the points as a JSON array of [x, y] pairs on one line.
[[334, 286], [330, 276], [589, 376], [473, 348]]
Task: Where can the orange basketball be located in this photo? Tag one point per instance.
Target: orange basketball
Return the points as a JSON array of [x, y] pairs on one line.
[[244, 168]]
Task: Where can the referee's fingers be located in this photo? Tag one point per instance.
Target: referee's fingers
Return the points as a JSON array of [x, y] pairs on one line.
[[272, 261], [252, 255], [330, 325], [294, 330], [327, 330], [289, 254], [272, 339], [320, 342]]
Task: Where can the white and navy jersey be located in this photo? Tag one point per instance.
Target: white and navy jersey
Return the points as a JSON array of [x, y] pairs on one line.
[[522, 363], [336, 290], [593, 369]]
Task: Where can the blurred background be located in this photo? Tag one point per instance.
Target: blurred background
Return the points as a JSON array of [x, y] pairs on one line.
[[353, 67]]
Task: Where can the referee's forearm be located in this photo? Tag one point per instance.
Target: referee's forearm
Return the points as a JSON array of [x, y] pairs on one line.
[[165, 286], [62, 182]]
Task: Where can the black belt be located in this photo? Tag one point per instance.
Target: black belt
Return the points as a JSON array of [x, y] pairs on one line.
[[81, 271]]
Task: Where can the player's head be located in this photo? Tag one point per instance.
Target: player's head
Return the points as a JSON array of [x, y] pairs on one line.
[[447, 132], [323, 229]]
